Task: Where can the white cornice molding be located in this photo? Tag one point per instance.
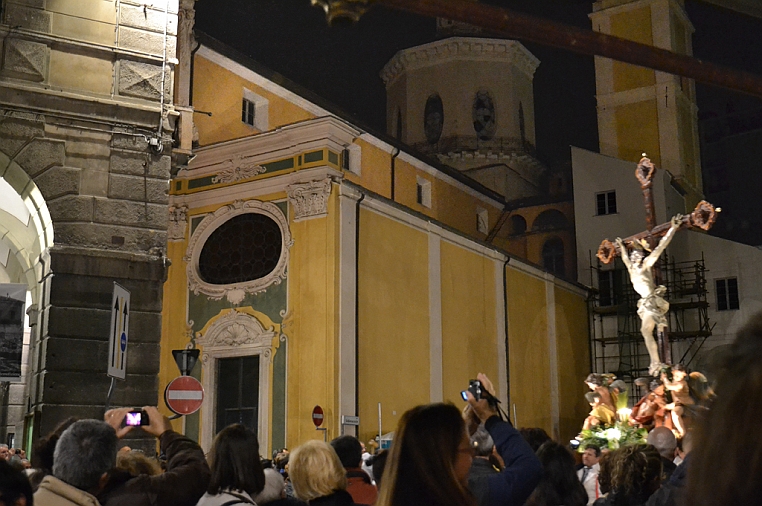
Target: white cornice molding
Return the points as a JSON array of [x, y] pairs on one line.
[[290, 140], [457, 49], [428, 169], [257, 188]]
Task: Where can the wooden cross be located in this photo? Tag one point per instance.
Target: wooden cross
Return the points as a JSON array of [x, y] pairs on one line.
[[703, 217]]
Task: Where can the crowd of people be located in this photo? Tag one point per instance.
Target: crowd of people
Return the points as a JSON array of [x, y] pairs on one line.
[[441, 456]]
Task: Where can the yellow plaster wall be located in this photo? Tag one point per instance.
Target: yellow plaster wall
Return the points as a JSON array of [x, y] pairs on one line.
[[173, 324], [528, 349], [469, 332], [393, 350], [637, 128], [573, 348], [313, 356], [633, 25], [376, 174], [219, 91]]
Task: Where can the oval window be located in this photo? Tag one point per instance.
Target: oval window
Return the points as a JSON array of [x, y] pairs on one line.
[[433, 119], [244, 248]]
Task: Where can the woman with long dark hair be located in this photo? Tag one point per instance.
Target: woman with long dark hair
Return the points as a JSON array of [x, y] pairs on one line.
[[237, 474], [559, 485], [429, 460], [431, 457]]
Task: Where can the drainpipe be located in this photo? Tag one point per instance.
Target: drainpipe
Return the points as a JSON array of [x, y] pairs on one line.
[[357, 298], [507, 353], [394, 172]]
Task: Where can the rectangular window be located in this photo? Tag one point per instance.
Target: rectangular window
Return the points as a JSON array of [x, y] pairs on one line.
[[606, 288], [423, 192], [482, 220], [247, 112], [605, 203], [727, 294]]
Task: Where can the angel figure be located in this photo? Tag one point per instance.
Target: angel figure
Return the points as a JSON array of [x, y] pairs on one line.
[[650, 411], [687, 391], [652, 308], [613, 392], [600, 414]]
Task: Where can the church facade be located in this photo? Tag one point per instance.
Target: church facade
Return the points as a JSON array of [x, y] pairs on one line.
[[372, 289]]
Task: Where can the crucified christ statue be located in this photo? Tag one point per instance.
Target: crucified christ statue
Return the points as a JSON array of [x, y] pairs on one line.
[[652, 308]]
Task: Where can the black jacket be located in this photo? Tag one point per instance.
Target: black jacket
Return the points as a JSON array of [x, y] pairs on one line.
[[338, 498], [183, 483]]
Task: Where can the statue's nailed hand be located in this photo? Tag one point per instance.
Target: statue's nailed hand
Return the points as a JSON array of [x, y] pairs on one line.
[[677, 220], [620, 244]]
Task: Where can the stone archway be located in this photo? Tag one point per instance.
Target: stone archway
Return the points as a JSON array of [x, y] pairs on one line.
[[26, 236]]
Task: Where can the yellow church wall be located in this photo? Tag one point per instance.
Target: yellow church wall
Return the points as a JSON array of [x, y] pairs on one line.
[[406, 187], [637, 128], [376, 174], [573, 350], [528, 349], [634, 25], [450, 204], [312, 332], [393, 315], [220, 91], [469, 329], [173, 336]]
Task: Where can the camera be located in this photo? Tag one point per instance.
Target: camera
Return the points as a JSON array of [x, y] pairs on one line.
[[137, 418], [475, 387]]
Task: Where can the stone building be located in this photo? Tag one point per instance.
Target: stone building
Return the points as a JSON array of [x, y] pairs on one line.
[[89, 137]]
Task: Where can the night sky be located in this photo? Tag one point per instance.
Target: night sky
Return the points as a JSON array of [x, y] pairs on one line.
[[342, 64]]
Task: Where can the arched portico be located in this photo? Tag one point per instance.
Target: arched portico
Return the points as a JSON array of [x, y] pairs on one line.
[[26, 236]]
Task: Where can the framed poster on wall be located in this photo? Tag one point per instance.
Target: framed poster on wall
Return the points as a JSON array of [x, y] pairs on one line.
[[12, 299]]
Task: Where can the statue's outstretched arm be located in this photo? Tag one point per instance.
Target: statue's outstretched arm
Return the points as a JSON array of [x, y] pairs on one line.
[[651, 259], [623, 252]]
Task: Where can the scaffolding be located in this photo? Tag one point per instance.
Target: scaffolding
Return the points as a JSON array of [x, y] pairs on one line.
[[617, 345]]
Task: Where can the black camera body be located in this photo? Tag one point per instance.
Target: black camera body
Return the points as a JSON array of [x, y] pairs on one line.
[[475, 387]]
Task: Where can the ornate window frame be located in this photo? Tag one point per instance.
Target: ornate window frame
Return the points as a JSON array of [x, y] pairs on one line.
[[235, 334], [235, 292]]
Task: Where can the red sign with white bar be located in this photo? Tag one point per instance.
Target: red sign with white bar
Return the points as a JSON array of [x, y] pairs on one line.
[[317, 416], [184, 395]]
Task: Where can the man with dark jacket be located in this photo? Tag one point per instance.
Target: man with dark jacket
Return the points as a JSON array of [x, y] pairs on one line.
[[184, 481], [523, 470], [359, 485], [481, 467]]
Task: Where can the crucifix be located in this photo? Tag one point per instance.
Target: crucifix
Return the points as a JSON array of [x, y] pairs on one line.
[[640, 252]]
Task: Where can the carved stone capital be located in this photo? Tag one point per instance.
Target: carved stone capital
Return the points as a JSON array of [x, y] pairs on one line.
[[178, 222], [310, 200]]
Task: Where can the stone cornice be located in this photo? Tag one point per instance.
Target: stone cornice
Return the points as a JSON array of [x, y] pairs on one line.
[[460, 48]]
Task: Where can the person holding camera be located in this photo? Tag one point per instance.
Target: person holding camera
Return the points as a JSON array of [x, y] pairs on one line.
[[186, 477], [523, 470]]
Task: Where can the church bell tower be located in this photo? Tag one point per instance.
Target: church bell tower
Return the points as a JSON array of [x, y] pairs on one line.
[[469, 101]]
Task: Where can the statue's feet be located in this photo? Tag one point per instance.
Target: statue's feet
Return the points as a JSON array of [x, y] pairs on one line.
[[655, 368]]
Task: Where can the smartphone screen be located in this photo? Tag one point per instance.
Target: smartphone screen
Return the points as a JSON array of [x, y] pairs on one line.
[[133, 418]]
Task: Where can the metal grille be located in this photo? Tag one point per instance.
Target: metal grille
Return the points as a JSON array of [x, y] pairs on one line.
[[244, 248]]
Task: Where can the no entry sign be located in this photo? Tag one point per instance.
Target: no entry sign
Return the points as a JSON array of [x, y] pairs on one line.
[[317, 416], [184, 395]]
